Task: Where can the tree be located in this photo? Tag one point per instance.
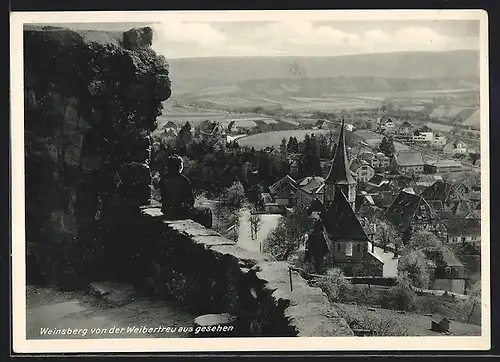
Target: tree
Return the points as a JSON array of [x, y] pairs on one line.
[[293, 145], [309, 161], [288, 236], [324, 150], [474, 157], [255, 223], [387, 234], [387, 146], [283, 148], [413, 265], [426, 242], [233, 198]]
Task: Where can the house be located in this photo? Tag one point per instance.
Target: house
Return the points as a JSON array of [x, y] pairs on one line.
[[455, 148], [460, 210], [170, 130], [409, 212], [439, 140], [284, 191], [171, 126], [349, 127], [367, 208], [213, 132], [425, 181], [377, 160], [405, 128], [420, 136], [362, 170], [463, 231], [449, 273], [440, 324], [408, 162], [442, 191], [339, 240], [309, 189], [444, 166], [385, 123], [323, 124], [378, 183]]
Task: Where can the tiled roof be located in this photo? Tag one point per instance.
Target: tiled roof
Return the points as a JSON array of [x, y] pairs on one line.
[[340, 220], [449, 258], [474, 215], [439, 190], [383, 199], [282, 183], [356, 164], [310, 184], [407, 207], [170, 124], [447, 163], [409, 159], [461, 208]]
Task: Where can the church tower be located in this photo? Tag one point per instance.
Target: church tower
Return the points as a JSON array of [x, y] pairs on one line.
[[340, 174]]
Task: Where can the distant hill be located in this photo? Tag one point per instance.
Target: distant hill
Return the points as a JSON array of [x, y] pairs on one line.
[[195, 74]]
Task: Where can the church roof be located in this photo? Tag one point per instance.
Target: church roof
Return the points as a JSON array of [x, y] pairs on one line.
[[339, 171], [341, 222]]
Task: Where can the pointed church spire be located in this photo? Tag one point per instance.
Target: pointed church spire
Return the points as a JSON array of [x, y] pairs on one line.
[[339, 170]]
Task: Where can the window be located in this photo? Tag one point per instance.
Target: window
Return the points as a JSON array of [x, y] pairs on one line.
[[358, 247], [348, 249], [338, 246], [463, 239], [447, 270]]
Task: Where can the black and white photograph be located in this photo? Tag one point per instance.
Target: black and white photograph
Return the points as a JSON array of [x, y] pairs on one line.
[[198, 181]]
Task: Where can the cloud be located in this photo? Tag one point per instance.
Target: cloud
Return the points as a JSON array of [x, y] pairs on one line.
[[304, 33], [180, 39], [198, 33]]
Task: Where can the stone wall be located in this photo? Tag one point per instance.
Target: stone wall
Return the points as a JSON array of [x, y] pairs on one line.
[[210, 274], [91, 102]]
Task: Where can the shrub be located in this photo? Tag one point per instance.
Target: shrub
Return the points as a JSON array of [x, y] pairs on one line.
[[401, 296], [334, 284]]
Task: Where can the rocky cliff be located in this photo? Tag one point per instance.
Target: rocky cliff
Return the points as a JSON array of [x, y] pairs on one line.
[[91, 102]]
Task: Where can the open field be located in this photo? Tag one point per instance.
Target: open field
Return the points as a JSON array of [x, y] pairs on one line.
[[411, 100], [193, 115], [373, 139], [273, 139]]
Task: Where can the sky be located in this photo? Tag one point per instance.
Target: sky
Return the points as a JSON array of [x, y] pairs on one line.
[[178, 39]]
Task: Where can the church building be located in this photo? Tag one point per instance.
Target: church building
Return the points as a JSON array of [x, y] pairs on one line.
[[338, 239]]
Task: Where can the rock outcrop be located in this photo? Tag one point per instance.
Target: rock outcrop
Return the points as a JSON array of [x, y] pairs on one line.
[[91, 102]]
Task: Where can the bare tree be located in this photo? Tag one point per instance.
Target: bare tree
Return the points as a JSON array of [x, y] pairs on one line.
[[255, 223]]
